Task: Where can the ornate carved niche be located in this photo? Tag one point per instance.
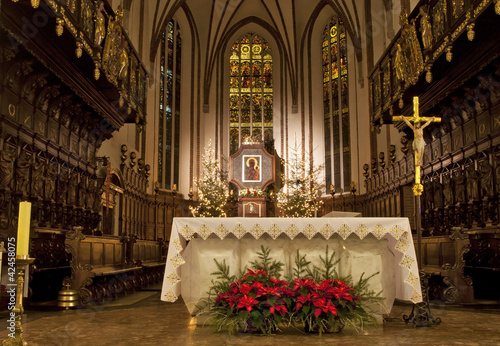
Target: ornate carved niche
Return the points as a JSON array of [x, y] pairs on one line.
[[46, 96], [486, 176], [7, 51], [34, 82], [448, 189], [14, 79]]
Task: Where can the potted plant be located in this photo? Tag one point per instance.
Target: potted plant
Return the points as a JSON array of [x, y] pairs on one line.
[[323, 307], [325, 302], [261, 302], [255, 303]]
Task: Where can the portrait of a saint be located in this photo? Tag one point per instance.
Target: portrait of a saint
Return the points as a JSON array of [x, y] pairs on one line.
[[251, 168]]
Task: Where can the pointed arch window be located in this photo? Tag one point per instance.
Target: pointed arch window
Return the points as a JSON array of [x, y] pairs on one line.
[[169, 107], [250, 91], [336, 106]]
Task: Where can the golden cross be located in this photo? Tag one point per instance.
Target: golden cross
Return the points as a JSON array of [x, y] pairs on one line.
[[418, 139]]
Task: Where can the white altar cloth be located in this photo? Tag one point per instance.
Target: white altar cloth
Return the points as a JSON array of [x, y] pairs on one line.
[[388, 241]]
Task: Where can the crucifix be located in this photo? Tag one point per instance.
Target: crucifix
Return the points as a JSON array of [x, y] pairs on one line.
[[422, 317], [418, 140]]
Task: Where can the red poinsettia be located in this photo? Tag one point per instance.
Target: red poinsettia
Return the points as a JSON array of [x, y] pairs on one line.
[[257, 299], [317, 304], [247, 302]]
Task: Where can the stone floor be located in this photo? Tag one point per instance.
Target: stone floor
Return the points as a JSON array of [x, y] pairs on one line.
[[142, 319]]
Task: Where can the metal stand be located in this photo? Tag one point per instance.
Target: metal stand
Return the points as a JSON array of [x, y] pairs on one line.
[[420, 315], [18, 310]]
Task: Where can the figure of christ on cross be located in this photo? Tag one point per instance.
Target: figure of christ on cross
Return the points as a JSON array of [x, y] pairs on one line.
[[418, 139]]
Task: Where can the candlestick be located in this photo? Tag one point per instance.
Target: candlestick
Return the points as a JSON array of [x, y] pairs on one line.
[[16, 337], [23, 229]]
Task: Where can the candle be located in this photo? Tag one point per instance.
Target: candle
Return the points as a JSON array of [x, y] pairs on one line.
[[175, 187], [191, 189], [23, 229]]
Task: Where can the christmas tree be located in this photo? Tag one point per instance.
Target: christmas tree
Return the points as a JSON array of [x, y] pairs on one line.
[[301, 186], [212, 187]]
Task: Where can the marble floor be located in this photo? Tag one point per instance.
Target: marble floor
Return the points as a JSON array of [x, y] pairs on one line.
[[142, 319]]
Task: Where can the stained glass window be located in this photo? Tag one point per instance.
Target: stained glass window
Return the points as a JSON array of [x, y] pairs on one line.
[[251, 91], [336, 106], [169, 107]]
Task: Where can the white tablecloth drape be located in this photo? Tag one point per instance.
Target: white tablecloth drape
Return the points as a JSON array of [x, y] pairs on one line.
[[363, 245]]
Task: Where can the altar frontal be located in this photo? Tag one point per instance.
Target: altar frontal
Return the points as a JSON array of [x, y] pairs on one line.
[[364, 245]]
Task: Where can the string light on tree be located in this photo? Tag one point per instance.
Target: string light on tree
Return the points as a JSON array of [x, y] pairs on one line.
[[212, 187], [298, 197]]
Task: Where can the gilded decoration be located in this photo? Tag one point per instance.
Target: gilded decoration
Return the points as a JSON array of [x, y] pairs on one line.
[[111, 58], [100, 25], [386, 83], [426, 28], [458, 8], [409, 60], [87, 17], [438, 18]]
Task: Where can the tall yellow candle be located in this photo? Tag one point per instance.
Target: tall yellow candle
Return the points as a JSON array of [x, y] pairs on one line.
[[23, 229]]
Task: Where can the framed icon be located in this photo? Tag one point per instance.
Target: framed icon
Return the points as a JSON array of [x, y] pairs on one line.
[[251, 170]]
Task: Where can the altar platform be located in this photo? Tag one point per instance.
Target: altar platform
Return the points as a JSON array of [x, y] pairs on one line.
[[364, 245]]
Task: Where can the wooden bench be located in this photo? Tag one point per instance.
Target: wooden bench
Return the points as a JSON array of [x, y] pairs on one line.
[[94, 256], [148, 255], [443, 259]]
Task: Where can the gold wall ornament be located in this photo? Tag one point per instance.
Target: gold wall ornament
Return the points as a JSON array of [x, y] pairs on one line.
[[12, 110], [438, 18], [470, 32], [449, 54], [381, 157], [87, 16], [100, 25], [497, 7], [124, 150], [386, 82], [458, 7], [404, 145], [426, 28], [409, 60], [112, 51], [59, 26], [97, 72], [78, 50], [132, 162], [35, 3], [428, 75], [124, 61], [366, 172], [392, 153]]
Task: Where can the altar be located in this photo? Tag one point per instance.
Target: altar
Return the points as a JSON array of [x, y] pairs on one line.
[[364, 245]]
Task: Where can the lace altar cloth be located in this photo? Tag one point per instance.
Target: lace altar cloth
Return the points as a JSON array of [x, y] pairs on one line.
[[364, 245]]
